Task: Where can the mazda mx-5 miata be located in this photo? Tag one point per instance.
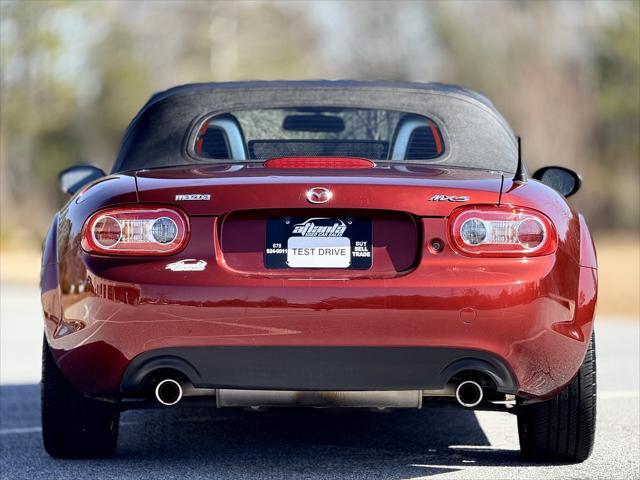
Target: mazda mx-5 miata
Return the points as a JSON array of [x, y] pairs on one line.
[[319, 244]]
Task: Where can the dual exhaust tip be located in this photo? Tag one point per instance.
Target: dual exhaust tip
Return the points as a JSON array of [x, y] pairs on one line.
[[169, 392], [469, 394]]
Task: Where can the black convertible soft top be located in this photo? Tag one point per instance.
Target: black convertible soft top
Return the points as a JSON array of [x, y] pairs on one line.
[[477, 135]]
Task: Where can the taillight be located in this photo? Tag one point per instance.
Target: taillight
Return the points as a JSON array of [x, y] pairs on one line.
[[501, 231], [135, 231]]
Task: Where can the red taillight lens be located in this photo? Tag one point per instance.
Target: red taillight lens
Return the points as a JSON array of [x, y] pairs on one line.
[[531, 233], [135, 231], [107, 231], [501, 231]]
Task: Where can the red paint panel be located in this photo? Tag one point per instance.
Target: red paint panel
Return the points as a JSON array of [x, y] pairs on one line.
[[536, 313], [588, 257], [405, 188]]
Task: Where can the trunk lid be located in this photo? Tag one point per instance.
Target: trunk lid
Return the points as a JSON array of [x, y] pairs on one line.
[[378, 209], [398, 187]]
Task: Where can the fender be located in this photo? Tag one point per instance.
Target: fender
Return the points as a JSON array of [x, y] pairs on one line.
[[588, 257], [49, 280]]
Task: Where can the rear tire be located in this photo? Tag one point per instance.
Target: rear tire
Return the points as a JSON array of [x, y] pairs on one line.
[[562, 429], [74, 426]]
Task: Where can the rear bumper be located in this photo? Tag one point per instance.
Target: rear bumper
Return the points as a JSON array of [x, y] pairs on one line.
[[317, 368], [530, 319]]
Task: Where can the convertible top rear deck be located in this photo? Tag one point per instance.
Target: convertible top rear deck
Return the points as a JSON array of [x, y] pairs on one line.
[[159, 134]]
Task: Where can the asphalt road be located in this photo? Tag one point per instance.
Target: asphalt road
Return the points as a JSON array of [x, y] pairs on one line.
[[203, 443]]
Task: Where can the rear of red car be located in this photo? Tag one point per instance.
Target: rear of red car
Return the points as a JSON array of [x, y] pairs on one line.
[[318, 254]]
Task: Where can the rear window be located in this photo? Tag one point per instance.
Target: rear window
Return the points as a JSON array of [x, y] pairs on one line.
[[262, 134]]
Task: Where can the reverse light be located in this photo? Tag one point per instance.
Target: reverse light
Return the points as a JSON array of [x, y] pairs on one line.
[[135, 231], [501, 231]]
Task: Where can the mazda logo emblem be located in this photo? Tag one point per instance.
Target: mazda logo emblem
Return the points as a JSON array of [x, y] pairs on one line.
[[319, 195]]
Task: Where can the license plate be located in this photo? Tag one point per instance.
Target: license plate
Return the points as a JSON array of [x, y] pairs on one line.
[[319, 242]]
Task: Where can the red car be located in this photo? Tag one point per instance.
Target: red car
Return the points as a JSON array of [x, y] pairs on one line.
[[320, 244]]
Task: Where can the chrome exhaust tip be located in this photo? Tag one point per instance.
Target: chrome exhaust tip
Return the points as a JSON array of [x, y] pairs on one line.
[[469, 394], [168, 392]]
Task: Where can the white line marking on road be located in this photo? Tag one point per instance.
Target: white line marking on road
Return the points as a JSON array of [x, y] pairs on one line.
[[13, 431], [612, 394], [488, 448], [444, 467]]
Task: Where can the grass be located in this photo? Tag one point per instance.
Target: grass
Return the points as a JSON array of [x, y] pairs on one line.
[[618, 272]]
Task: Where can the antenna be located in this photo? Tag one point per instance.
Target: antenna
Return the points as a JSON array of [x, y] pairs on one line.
[[520, 175]]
